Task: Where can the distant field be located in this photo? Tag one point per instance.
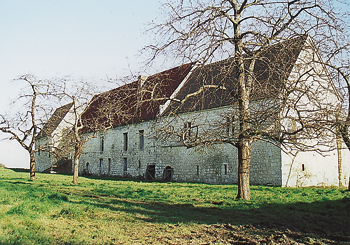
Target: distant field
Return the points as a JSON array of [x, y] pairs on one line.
[[51, 210]]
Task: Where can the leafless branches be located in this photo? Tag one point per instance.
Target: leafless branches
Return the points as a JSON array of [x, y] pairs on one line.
[[271, 80], [31, 112]]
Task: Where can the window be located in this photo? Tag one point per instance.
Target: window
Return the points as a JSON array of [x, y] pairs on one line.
[[109, 166], [197, 169], [102, 146], [302, 167], [125, 141], [139, 163], [125, 167], [225, 169], [141, 139], [101, 166]]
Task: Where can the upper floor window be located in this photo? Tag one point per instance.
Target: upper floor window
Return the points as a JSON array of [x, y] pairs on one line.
[[141, 139], [125, 141]]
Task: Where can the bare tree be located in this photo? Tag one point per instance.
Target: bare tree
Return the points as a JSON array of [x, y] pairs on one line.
[[340, 71], [248, 34], [70, 141], [90, 116], [31, 112]]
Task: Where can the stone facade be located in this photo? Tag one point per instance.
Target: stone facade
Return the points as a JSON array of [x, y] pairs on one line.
[[106, 155], [52, 138]]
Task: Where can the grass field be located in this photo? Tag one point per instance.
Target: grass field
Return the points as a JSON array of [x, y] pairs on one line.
[[51, 210]]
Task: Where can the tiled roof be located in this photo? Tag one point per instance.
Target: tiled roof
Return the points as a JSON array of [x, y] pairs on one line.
[[271, 69], [132, 102], [54, 120], [217, 83]]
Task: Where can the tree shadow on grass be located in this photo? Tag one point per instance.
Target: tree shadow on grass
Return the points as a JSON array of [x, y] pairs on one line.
[[326, 219]]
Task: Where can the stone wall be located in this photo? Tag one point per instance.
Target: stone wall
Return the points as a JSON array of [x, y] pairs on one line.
[[43, 159], [163, 155], [111, 160], [215, 164]]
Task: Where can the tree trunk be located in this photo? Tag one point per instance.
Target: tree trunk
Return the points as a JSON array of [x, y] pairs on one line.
[[76, 169], [32, 165], [77, 154], [244, 154], [244, 139], [344, 130], [339, 151]]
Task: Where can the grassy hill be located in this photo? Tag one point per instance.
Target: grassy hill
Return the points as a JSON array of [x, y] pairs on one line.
[[51, 210]]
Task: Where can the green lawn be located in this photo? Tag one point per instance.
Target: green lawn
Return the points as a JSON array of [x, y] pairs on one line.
[[51, 210]]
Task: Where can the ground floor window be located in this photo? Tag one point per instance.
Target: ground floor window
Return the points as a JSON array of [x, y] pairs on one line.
[[101, 166], [225, 168], [125, 164]]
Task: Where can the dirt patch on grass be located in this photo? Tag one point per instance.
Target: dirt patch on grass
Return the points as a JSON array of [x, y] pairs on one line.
[[246, 234]]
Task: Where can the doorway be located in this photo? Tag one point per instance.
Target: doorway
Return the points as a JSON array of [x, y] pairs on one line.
[[151, 172], [168, 173]]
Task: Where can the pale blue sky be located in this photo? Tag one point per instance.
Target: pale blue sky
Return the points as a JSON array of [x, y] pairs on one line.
[[92, 39]]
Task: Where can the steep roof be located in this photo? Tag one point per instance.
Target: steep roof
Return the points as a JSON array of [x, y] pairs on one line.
[[55, 120], [271, 69], [133, 102], [210, 86]]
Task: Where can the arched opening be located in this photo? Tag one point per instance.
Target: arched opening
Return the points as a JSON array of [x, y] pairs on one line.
[[87, 169], [168, 173]]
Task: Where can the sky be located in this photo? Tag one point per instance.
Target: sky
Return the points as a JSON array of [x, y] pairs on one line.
[[89, 39]]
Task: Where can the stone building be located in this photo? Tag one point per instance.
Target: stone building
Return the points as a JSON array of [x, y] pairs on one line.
[[51, 151], [147, 123]]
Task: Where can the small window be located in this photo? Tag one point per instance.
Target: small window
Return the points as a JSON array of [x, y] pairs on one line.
[[109, 166], [197, 169], [102, 146], [125, 167], [125, 141], [101, 166], [141, 139], [139, 163], [302, 167], [225, 169]]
